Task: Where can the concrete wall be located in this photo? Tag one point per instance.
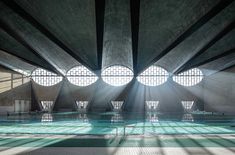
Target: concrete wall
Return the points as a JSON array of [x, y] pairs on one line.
[[215, 93], [168, 94], [219, 92], [13, 88], [133, 94], [70, 93], [101, 94], [7, 99], [42, 93]]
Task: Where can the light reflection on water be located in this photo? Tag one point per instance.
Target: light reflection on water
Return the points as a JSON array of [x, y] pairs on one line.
[[116, 123]]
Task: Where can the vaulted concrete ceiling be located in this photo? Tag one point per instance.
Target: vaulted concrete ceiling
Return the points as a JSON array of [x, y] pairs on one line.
[[71, 22], [177, 35], [12, 46], [13, 63], [201, 40]]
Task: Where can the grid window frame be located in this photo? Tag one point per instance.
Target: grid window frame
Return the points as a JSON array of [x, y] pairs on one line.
[[187, 105], [47, 105], [117, 105], [189, 78], [117, 75], [45, 78], [81, 76], [152, 105], [82, 104], [153, 76]]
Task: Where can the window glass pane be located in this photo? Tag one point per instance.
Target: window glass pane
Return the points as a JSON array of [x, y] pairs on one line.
[[47, 117], [152, 105], [117, 75], [82, 104], [117, 118], [187, 104], [117, 105], [81, 76], [47, 105], [45, 78], [5, 81], [189, 78], [26, 79], [153, 76], [5, 86], [188, 117], [152, 117]]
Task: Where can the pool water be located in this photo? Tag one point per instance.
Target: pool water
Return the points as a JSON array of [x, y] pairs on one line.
[[112, 123]]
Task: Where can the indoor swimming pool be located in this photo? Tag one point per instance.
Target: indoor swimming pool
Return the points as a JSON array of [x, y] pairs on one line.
[[119, 124]]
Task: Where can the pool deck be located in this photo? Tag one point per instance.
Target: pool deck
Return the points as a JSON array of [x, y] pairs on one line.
[[208, 144]]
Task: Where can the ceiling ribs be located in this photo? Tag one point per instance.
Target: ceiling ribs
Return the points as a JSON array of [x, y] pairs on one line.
[[213, 12], [227, 68], [26, 60], [21, 12], [135, 12], [8, 68], [9, 31], [99, 11], [229, 28], [219, 64], [214, 58]]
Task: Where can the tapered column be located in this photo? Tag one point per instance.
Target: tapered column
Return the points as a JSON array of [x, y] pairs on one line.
[[117, 45]]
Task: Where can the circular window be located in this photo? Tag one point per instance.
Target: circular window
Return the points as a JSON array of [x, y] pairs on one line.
[[153, 76], [45, 78], [81, 76], [189, 78], [117, 75]]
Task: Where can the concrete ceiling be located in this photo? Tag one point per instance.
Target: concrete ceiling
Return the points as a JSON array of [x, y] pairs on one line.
[[13, 63], [177, 35], [13, 47]]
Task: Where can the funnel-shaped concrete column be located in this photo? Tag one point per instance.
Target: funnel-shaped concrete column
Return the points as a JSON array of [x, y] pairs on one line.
[[117, 46]]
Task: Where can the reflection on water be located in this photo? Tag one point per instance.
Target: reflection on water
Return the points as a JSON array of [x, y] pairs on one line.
[[116, 118], [117, 105], [82, 117], [152, 117], [47, 117], [82, 106], [113, 123], [121, 117], [188, 117]]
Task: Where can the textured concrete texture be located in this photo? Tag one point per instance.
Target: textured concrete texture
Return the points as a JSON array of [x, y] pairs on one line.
[[71, 21], [55, 35], [65, 100], [99, 95], [218, 64], [117, 45], [215, 93], [8, 98], [161, 23], [12, 46], [182, 53], [42, 93], [222, 46], [58, 35], [15, 64], [42, 45], [219, 92]]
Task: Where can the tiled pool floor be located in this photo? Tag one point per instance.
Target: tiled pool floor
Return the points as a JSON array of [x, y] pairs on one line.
[[129, 145]]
